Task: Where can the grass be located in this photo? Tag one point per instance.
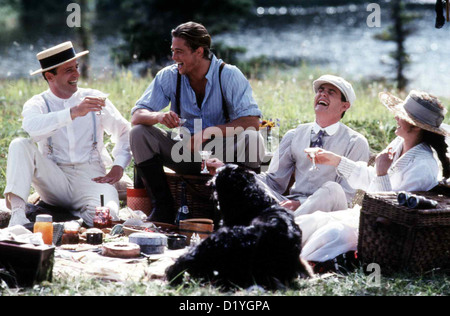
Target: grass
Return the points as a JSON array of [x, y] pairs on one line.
[[284, 95]]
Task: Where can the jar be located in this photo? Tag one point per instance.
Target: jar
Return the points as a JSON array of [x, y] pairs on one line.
[[44, 226], [94, 236], [70, 236], [102, 218]]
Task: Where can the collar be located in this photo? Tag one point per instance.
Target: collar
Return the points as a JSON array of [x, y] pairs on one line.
[[331, 129], [213, 67], [56, 98]]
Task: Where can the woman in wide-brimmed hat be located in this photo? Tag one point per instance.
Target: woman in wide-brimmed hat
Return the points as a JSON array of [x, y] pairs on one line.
[[406, 164]]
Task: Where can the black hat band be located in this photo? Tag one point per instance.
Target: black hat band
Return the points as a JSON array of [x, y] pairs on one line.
[[57, 58]]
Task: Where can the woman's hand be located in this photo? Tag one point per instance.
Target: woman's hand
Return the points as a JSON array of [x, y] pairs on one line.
[[384, 161]]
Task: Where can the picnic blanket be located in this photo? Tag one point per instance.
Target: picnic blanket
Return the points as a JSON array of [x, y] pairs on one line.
[[91, 263]]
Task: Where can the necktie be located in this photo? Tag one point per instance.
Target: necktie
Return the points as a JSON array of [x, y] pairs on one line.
[[318, 142]]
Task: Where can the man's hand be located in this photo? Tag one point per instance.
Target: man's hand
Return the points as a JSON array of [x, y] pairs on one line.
[[290, 204], [89, 104], [212, 164], [112, 177], [324, 157], [169, 119]]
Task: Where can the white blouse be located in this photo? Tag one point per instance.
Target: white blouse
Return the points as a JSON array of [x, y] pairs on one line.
[[416, 170]]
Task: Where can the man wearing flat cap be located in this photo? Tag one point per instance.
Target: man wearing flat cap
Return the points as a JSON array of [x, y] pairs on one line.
[[68, 167], [334, 96]]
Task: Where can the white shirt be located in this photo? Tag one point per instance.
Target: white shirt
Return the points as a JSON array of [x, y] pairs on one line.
[[331, 130], [72, 140]]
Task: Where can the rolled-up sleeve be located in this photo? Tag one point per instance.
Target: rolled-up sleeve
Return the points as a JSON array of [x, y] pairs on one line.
[[157, 96]]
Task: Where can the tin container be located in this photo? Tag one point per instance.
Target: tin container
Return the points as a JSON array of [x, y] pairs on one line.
[[150, 243], [176, 241], [94, 236]]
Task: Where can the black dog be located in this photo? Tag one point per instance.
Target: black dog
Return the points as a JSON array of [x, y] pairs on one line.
[[259, 243]]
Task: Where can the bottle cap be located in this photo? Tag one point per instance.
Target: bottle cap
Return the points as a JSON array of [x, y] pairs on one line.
[[44, 218]]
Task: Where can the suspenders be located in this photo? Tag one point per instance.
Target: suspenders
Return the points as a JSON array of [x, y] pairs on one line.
[[224, 101], [50, 141]]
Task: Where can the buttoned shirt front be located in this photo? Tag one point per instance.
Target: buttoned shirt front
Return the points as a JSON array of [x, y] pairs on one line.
[[236, 90], [72, 140]]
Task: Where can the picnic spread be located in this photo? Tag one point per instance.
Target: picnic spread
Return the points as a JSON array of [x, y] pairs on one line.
[[130, 249]]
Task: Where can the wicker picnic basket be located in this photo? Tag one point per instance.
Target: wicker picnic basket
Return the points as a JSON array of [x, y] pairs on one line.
[[400, 239], [198, 194]]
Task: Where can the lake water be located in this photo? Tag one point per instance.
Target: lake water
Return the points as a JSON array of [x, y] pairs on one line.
[[334, 38]]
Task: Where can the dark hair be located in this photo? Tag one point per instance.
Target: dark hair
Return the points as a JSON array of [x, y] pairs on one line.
[[437, 142], [343, 99], [52, 71], [195, 36]]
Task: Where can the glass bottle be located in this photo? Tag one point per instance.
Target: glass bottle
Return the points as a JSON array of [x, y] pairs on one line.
[[183, 211], [44, 226]]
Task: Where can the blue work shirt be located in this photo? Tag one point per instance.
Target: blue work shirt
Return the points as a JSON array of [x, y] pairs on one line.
[[236, 90]]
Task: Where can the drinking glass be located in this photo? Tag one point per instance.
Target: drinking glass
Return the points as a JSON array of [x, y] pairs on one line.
[[102, 97], [205, 154], [312, 153], [179, 135]]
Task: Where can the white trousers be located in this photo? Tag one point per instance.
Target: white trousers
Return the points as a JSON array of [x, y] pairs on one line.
[[330, 197], [67, 186], [327, 235]]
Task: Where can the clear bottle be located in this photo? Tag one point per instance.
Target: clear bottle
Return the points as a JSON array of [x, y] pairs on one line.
[[183, 211], [44, 225]]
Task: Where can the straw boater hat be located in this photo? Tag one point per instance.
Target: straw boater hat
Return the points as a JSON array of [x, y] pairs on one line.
[[419, 109], [56, 56]]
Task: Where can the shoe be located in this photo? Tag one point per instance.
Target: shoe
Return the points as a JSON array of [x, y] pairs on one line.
[[343, 264]]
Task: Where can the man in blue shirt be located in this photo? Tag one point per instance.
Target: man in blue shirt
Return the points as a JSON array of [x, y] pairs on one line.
[[220, 112]]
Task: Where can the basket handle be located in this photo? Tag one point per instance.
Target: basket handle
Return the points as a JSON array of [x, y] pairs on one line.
[[383, 221]]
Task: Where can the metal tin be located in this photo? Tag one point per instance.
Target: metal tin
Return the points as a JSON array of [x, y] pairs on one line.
[[150, 243], [176, 241]]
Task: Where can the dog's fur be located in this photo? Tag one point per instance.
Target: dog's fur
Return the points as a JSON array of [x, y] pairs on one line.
[[259, 243]]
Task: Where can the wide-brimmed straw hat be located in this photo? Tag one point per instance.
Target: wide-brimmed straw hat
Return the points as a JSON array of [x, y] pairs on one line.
[[419, 109], [343, 85], [56, 56]]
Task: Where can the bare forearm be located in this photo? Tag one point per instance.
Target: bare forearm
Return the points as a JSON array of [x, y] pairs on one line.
[[144, 117]]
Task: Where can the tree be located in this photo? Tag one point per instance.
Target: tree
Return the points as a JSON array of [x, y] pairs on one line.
[[398, 32], [147, 29]]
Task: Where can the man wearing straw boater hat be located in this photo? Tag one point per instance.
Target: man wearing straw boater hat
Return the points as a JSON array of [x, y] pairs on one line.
[[67, 168]]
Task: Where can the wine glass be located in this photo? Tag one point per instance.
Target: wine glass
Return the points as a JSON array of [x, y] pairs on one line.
[[179, 135], [103, 98], [312, 153], [205, 154]]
